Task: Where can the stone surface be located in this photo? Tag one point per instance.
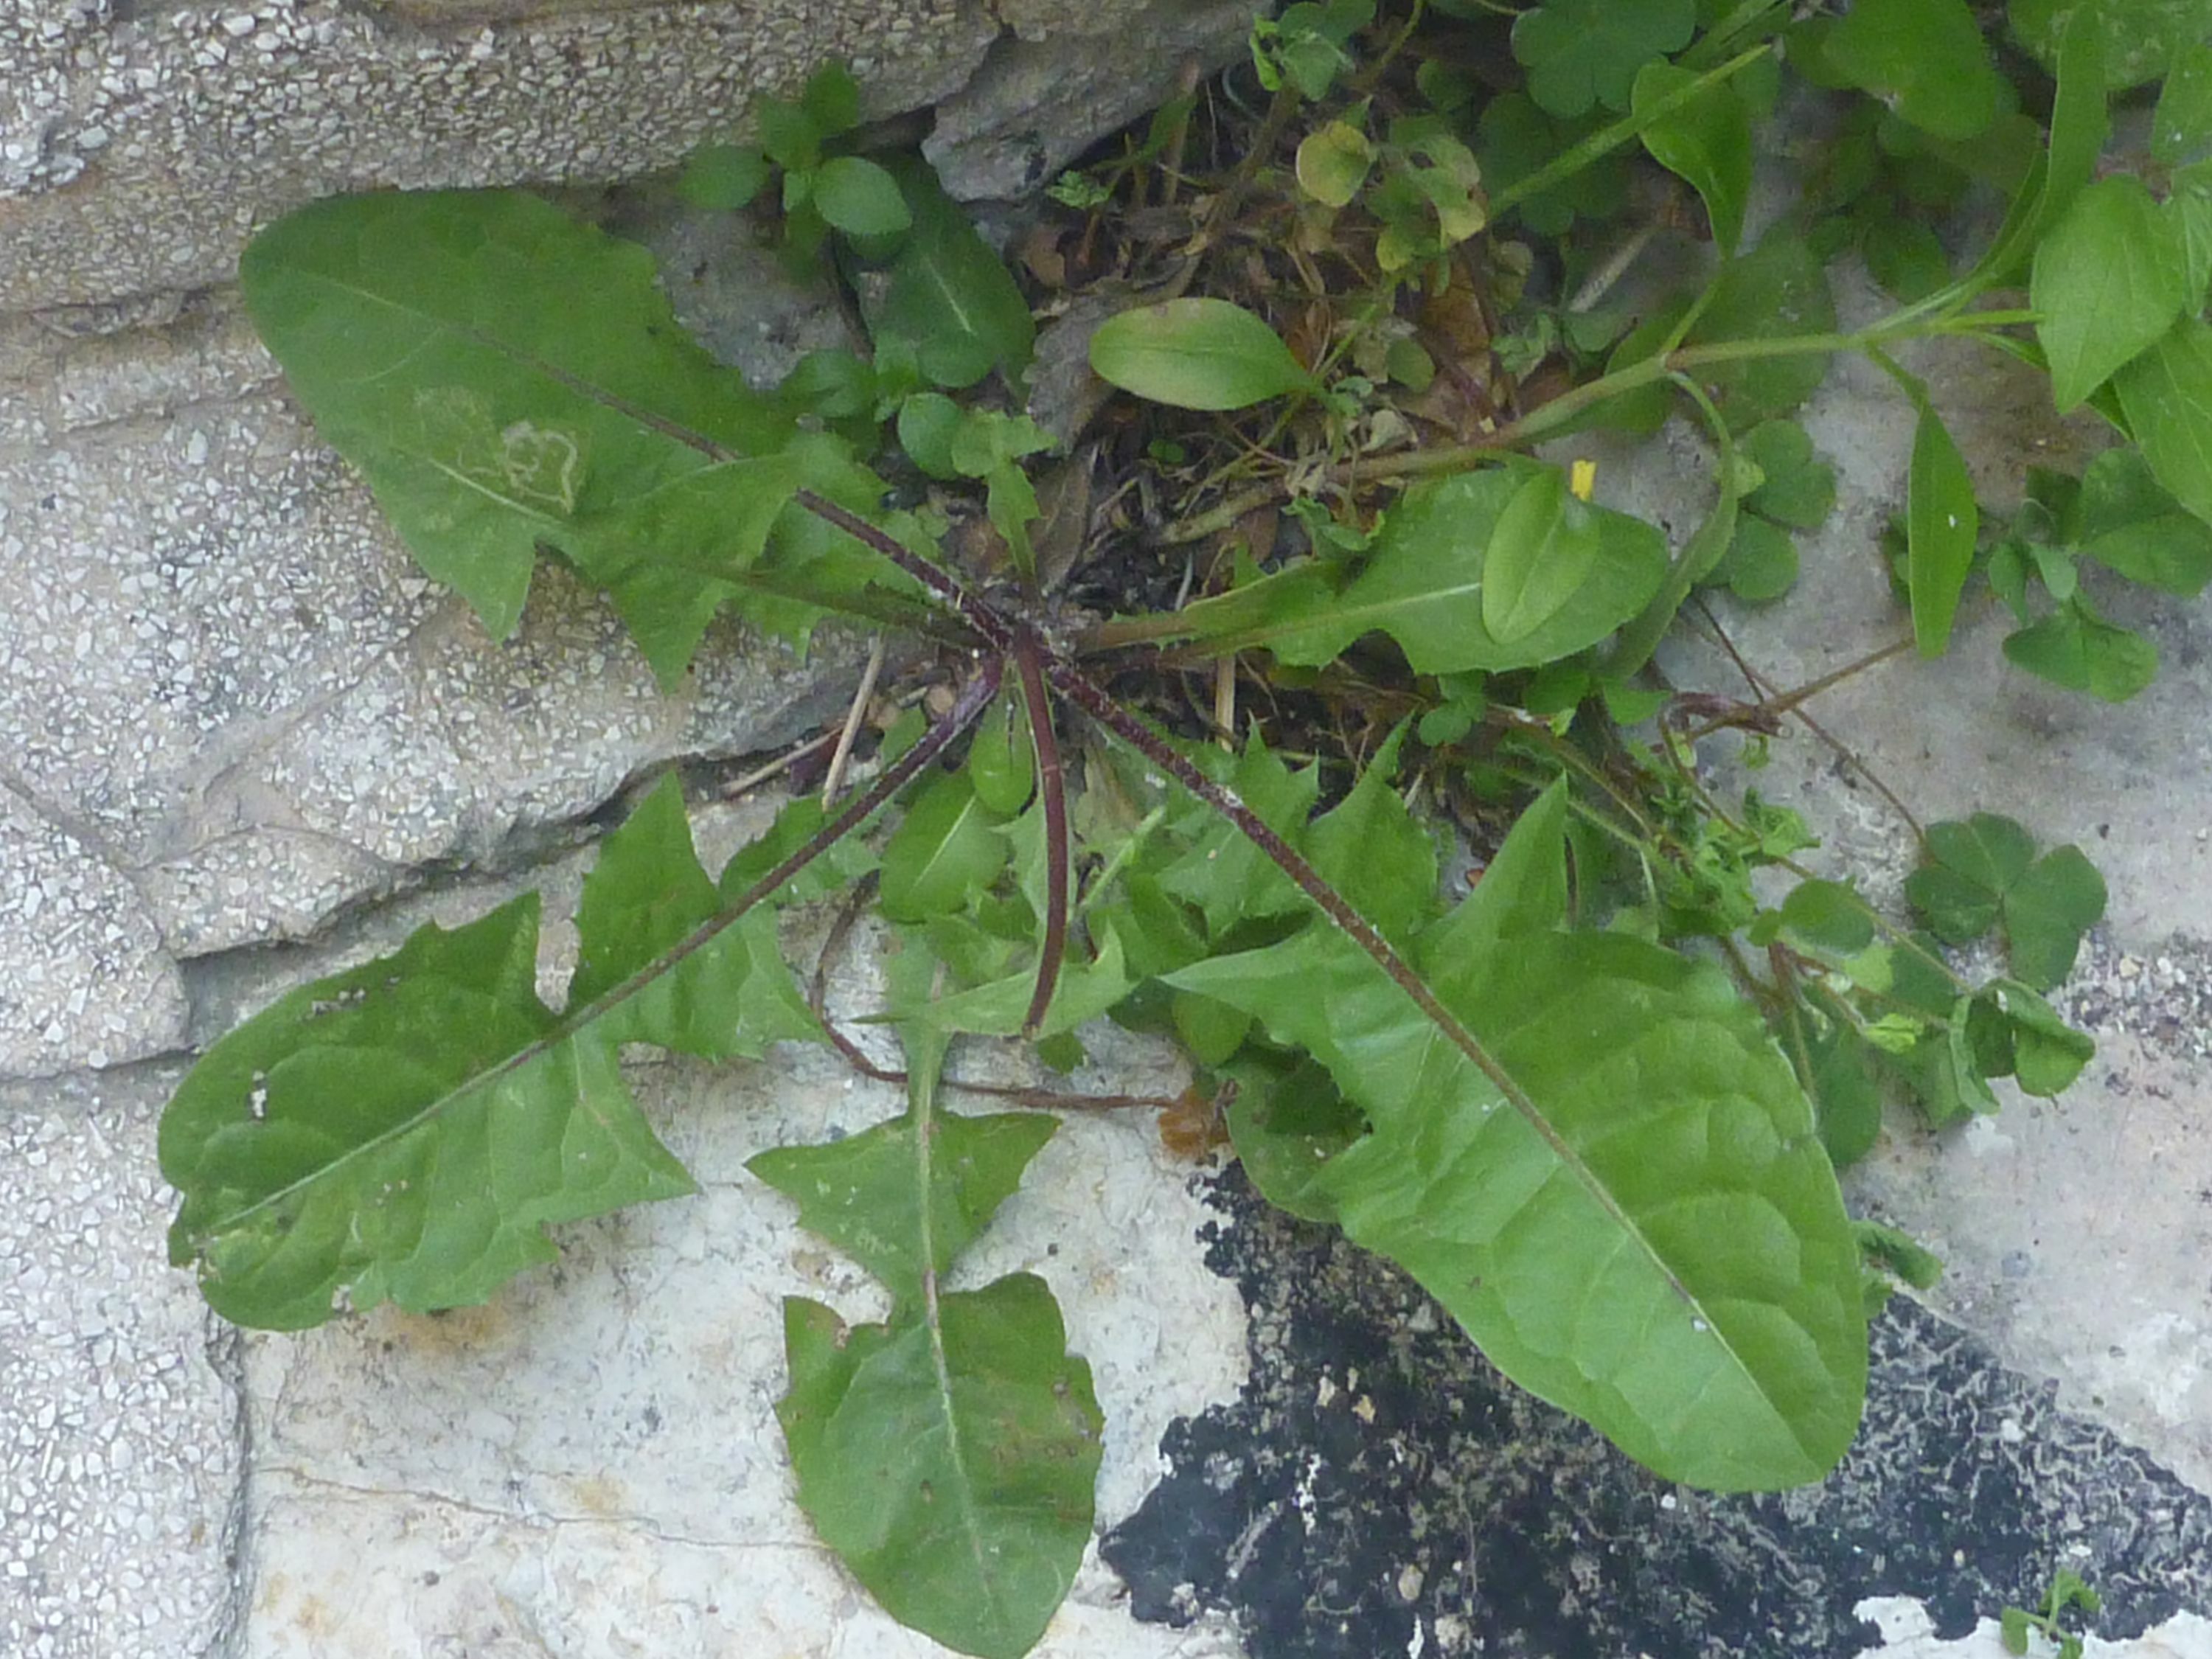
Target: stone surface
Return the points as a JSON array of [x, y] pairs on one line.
[[229, 688], [1067, 74], [139, 147], [122, 1429]]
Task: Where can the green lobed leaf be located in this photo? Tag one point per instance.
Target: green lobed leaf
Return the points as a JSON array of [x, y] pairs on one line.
[[1220, 870], [2166, 393], [1522, 891], [405, 1131], [1706, 142], [865, 1193], [1983, 870], [1941, 522], [2109, 277], [1632, 1216], [1196, 354], [949, 1454], [645, 895], [950, 1463], [998, 1007], [2075, 647], [483, 360], [1580, 52], [1370, 848], [1925, 58], [1423, 585]]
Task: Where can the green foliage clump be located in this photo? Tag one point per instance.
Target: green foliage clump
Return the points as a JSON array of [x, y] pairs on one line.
[[1594, 1104]]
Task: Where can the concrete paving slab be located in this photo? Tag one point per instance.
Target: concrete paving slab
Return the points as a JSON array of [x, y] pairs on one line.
[[122, 1425]]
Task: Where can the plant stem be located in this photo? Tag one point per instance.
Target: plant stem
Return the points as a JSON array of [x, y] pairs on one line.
[[1029, 664], [1629, 128], [977, 615]]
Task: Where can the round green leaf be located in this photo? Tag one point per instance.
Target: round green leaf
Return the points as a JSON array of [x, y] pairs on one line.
[[723, 176], [1333, 163], [858, 198], [1196, 354]]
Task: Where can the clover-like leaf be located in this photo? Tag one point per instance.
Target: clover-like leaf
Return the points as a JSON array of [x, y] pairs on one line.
[[2075, 647], [406, 1130], [1982, 870], [1580, 52], [1796, 488]]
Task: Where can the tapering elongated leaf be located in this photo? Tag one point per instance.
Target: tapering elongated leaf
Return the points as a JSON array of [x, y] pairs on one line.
[[505, 377], [1423, 586], [1629, 1209], [1197, 354], [1941, 520], [861, 1193], [950, 1465], [406, 1130], [948, 1455]]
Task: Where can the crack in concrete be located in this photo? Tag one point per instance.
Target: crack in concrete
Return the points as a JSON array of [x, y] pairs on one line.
[[620, 1521], [225, 1356]]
